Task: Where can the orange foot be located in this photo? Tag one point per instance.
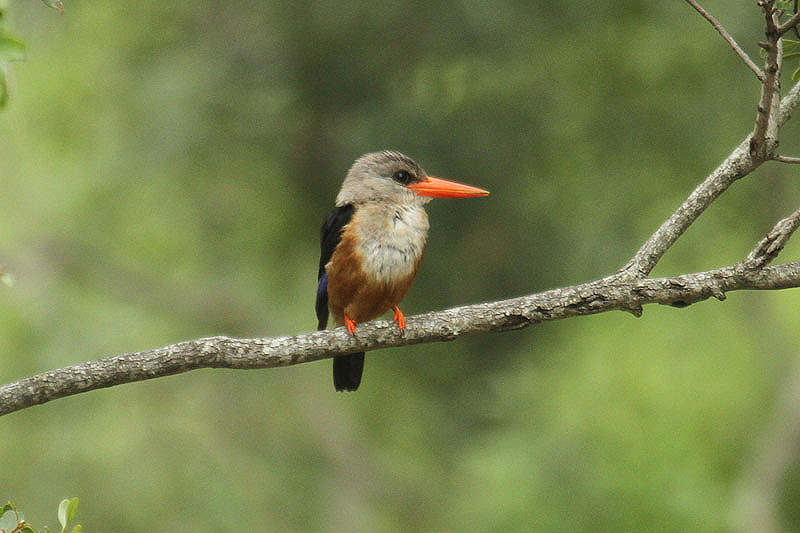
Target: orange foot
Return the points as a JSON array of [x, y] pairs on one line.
[[398, 317], [350, 325]]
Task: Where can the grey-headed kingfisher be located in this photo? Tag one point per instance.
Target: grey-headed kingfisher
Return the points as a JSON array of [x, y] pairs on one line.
[[372, 244]]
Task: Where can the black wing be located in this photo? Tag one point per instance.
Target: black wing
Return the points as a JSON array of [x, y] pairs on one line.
[[331, 234]]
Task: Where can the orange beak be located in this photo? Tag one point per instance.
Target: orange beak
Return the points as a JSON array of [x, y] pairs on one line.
[[439, 188]]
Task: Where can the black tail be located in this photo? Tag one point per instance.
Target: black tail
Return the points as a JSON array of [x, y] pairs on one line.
[[347, 371]]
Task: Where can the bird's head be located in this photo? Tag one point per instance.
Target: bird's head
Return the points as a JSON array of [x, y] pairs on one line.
[[398, 179]]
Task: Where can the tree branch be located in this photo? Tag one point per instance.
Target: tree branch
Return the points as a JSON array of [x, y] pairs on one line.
[[789, 24], [737, 165], [608, 294], [629, 289], [725, 35], [751, 152], [764, 140], [771, 245]]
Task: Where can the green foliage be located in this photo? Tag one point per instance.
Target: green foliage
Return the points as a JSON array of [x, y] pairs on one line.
[[13, 521], [791, 57], [66, 512], [791, 47], [12, 48]]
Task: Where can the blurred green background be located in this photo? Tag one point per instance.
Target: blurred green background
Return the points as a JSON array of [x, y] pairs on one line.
[[164, 170]]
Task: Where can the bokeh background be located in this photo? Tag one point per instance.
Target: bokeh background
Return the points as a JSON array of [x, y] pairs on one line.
[[164, 170]]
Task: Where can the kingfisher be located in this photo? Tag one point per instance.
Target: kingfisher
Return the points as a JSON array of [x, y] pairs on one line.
[[372, 244]]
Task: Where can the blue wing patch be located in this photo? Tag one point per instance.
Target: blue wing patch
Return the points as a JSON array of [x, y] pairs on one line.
[[322, 301]]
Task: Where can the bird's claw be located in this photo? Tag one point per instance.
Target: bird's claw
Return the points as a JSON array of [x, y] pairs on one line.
[[399, 317], [350, 325]]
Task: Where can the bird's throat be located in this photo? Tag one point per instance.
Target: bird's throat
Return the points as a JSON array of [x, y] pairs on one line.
[[391, 239]]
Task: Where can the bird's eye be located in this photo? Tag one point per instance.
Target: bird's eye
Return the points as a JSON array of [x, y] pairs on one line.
[[403, 177]]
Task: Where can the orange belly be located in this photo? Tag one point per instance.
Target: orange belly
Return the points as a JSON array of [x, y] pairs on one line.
[[353, 292]]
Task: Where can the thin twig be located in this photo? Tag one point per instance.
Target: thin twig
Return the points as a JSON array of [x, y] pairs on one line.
[[770, 15], [771, 245], [786, 159], [788, 105], [789, 24], [725, 35]]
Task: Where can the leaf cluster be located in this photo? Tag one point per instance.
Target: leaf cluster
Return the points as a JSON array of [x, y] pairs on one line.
[[13, 521]]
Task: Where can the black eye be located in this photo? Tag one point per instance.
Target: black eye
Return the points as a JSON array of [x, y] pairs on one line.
[[403, 176]]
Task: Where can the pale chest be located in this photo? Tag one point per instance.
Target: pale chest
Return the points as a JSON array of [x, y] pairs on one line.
[[391, 240]]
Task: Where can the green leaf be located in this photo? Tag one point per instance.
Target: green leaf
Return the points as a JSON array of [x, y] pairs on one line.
[[62, 513], [27, 529], [796, 75], [7, 507], [77, 529], [8, 520], [66, 512], [72, 508]]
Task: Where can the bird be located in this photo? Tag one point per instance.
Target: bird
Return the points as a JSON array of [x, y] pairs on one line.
[[372, 243]]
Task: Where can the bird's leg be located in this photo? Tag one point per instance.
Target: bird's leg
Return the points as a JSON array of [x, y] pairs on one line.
[[350, 325], [398, 317]]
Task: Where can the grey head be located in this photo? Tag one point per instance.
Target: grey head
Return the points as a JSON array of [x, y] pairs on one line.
[[382, 177]]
